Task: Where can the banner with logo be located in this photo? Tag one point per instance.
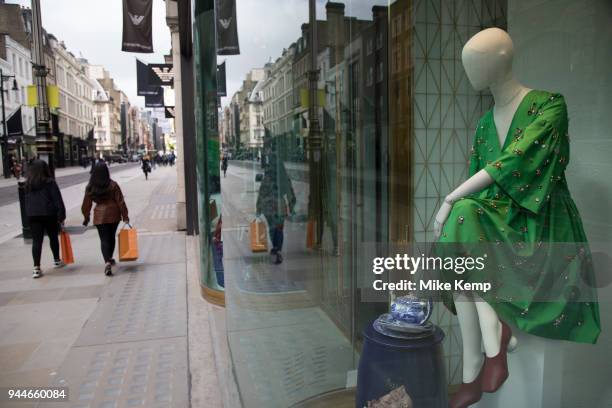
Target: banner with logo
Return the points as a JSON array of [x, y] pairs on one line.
[[162, 75], [221, 82], [137, 26], [155, 101], [143, 78], [227, 27]]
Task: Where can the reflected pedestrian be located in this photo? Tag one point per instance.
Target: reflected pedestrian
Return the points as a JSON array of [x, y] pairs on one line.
[[110, 209], [276, 201], [46, 212]]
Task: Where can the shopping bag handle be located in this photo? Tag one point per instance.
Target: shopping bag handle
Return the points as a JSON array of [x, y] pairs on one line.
[[128, 224]]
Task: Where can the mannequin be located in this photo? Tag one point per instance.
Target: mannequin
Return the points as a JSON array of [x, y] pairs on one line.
[[487, 59], [516, 189]]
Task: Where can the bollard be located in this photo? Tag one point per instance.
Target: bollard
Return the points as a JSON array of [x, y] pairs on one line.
[[25, 224]]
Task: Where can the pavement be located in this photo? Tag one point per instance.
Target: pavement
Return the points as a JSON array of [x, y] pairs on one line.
[[119, 341]]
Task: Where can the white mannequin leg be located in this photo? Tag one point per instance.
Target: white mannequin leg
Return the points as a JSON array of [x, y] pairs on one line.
[[490, 327], [471, 336]]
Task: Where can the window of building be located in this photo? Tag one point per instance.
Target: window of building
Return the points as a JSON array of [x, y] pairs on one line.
[[369, 46], [370, 76]]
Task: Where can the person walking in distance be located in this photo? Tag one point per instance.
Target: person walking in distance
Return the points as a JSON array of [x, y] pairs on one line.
[[146, 166], [110, 209], [46, 212], [224, 165]]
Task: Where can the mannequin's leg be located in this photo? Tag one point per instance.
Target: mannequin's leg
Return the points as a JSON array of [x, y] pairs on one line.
[[471, 336], [490, 327]]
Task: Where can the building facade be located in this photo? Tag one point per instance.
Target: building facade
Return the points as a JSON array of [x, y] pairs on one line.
[[110, 112], [246, 111], [76, 104], [278, 105], [15, 61]]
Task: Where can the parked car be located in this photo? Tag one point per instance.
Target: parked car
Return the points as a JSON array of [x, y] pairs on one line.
[[116, 158]]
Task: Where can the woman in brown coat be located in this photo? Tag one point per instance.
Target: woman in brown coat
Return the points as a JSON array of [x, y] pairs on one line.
[[109, 211]]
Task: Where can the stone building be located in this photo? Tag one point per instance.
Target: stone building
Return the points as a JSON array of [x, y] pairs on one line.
[[278, 97], [76, 110], [113, 142]]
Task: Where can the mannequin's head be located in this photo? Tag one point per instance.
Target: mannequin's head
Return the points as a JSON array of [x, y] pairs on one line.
[[487, 58]]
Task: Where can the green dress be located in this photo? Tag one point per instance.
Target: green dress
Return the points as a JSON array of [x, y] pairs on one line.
[[538, 256]]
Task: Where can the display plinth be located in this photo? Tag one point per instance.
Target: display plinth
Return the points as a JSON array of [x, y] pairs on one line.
[[402, 370]]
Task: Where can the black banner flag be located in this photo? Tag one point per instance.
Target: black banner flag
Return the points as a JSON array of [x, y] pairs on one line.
[[143, 79], [227, 27], [14, 124], [170, 112], [155, 101], [137, 26], [221, 83]]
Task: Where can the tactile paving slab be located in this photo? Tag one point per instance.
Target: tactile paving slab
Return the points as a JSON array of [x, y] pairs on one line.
[[155, 249], [280, 366], [149, 302], [150, 374]]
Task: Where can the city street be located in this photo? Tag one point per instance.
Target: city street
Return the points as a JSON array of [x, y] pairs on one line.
[[113, 341], [65, 177]]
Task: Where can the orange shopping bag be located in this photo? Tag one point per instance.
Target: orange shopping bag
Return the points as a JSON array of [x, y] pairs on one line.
[[128, 244], [258, 236], [66, 248], [310, 233]]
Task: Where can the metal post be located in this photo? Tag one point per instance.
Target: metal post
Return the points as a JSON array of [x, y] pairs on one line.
[[5, 164], [44, 139], [25, 222], [314, 133]]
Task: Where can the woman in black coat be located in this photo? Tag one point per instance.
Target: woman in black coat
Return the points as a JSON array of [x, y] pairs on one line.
[[45, 210]]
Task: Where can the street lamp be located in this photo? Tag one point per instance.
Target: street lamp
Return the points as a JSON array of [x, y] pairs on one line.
[[5, 163]]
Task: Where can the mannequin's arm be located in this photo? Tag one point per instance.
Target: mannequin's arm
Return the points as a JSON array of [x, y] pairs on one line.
[[472, 185]]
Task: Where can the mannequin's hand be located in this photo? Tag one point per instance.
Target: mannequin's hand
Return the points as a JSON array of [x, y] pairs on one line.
[[441, 217]]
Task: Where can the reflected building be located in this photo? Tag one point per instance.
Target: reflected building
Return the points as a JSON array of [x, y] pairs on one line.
[[400, 121], [278, 101], [246, 111]]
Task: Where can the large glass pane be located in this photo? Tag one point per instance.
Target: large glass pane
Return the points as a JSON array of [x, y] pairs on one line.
[[337, 139]]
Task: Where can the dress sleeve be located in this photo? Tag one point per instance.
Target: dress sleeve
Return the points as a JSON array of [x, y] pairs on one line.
[[535, 158]]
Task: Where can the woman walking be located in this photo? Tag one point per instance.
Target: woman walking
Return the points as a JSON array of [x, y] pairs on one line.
[[45, 210], [109, 211], [276, 201]]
